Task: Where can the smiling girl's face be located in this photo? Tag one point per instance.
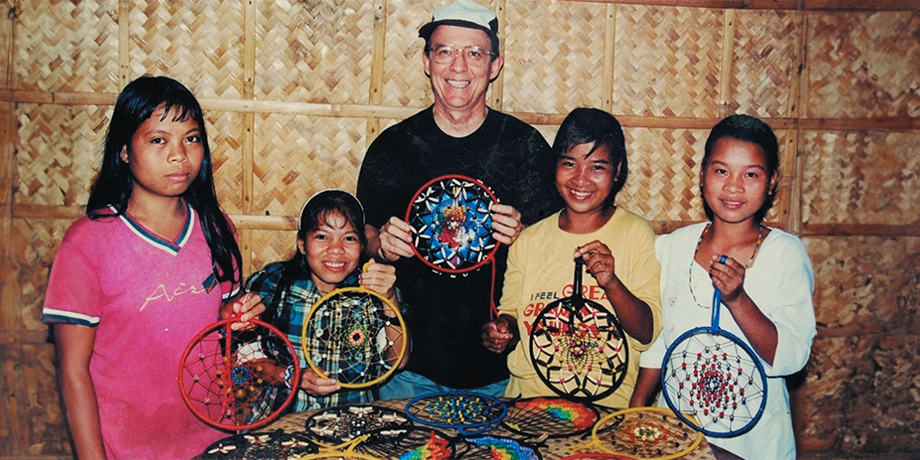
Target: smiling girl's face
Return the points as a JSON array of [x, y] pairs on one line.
[[736, 181], [333, 250]]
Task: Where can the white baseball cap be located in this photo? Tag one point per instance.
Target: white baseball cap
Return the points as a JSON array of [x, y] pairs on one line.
[[463, 13]]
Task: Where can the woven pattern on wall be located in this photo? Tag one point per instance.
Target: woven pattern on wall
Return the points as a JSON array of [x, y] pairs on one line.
[[298, 156], [59, 152], [224, 132], [559, 65], [667, 61], [764, 65], [404, 80], [314, 51], [864, 64], [868, 177], [34, 244], [66, 46], [197, 43]]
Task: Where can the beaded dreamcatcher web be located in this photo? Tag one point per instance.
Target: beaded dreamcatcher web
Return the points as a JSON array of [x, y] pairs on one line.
[[238, 380], [468, 413], [355, 336], [713, 380], [578, 347], [549, 417], [338, 425], [451, 224], [649, 433], [274, 444], [497, 447], [407, 443]]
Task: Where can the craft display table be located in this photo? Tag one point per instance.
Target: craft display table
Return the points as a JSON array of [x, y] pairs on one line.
[[550, 449]]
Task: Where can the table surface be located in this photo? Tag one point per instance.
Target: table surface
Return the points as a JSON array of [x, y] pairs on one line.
[[553, 448]]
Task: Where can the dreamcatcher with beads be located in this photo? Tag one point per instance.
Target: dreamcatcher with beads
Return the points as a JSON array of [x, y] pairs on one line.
[[354, 336], [238, 380], [451, 223], [489, 447], [466, 412], [549, 417], [578, 347], [713, 380], [339, 425], [647, 433]]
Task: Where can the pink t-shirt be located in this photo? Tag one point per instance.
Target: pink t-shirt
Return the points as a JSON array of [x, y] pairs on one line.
[[147, 298]]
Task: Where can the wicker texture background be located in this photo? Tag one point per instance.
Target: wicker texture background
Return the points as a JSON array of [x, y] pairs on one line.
[[295, 91]]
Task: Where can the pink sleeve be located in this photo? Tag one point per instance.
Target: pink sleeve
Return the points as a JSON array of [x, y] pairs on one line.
[[74, 295]]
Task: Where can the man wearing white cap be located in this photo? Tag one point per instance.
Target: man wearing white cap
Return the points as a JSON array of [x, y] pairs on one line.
[[458, 135]]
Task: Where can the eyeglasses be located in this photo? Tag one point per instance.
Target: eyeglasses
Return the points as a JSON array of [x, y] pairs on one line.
[[474, 55]]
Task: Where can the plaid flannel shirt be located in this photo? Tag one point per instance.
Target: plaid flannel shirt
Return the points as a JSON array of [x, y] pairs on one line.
[[286, 310]]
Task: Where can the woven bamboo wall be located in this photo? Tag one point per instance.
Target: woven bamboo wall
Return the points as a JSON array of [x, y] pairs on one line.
[[296, 90]]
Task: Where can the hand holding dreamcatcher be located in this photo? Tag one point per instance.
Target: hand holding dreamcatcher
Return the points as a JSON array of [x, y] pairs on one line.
[[355, 336], [710, 375], [452, 225], [578, 347], [238, 380]]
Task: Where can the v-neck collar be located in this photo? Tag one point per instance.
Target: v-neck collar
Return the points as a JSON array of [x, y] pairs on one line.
[[157, 241]]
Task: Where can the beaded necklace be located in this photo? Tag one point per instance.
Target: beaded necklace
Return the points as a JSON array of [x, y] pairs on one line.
[[697, 250]]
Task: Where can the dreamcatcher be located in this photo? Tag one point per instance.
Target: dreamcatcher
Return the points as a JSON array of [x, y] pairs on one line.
[[649, 433], [578, 347], [549, 417], [451, 224], [714, 381], [497, 447], [596, 456], [275, 444], [355, 336], [407, 443], [338, 425], [468, 413], [238, 380]]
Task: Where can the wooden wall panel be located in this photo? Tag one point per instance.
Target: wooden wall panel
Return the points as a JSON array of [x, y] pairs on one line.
[[864, 64], [66, 46], [298, 156], [553, 69], [861, 390], [197, 43], [763, 63], [294, 91], [667, 61], [864, 177], [405, 83], [314, 51], [59, 152], [225, 137]]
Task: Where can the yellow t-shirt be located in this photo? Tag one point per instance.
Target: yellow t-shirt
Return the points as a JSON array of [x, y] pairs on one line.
[[540, 270]]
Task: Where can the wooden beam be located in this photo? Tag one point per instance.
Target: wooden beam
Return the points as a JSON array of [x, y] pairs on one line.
[[842, 229], [808, 5]]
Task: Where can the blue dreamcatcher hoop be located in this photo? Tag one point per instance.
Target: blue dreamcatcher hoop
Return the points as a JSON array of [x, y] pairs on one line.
[[713, 376], [467, 413]]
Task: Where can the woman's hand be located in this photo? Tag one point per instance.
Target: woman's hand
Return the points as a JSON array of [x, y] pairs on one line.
[[247, 306], [317, 385]]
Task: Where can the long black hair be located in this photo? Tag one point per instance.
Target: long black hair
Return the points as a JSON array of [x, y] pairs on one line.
[[586, 125], [113, 185], [748, 129]]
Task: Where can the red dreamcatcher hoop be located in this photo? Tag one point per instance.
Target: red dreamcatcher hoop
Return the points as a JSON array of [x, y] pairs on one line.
[[452, 226], [238, 380]]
